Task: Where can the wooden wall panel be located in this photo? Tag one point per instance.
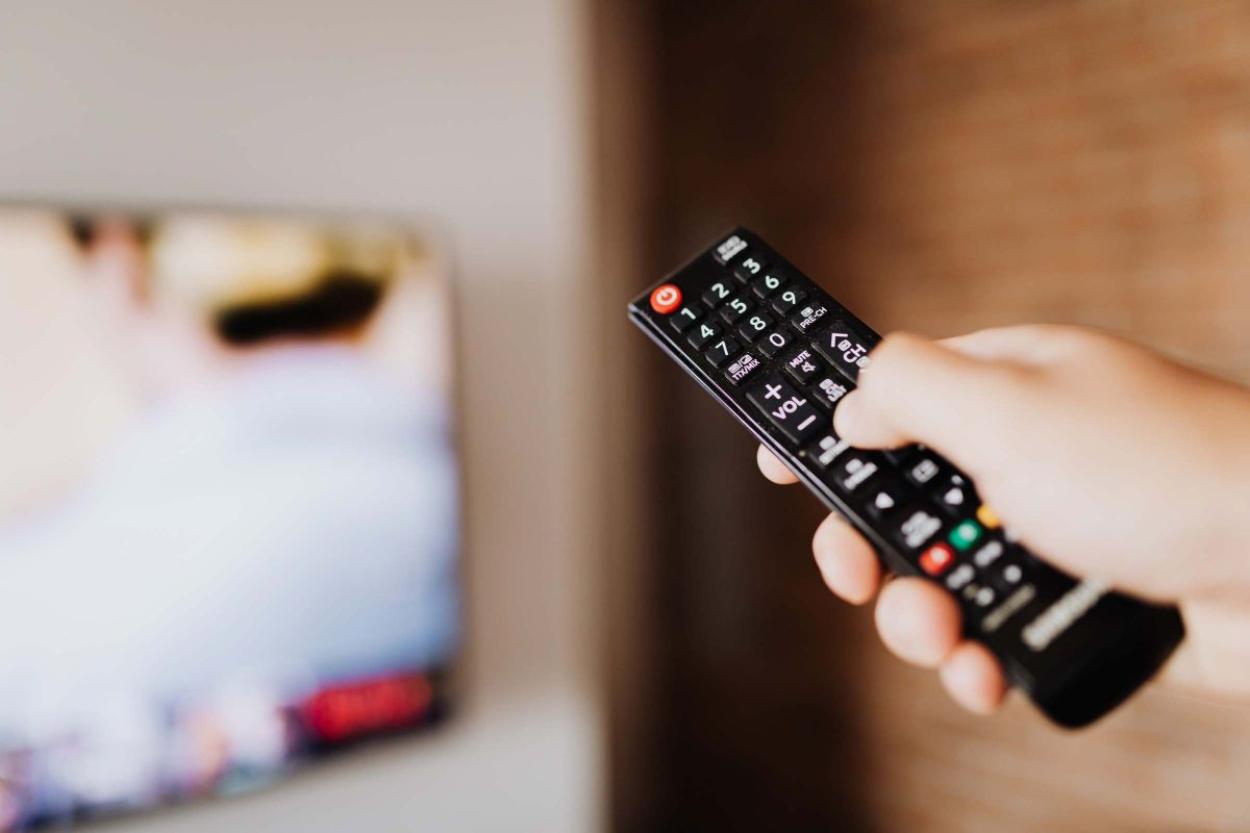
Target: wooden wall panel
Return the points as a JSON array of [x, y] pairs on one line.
[[941, 167]]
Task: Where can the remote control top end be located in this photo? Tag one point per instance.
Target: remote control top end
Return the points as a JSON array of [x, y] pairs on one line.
[[779, 353]]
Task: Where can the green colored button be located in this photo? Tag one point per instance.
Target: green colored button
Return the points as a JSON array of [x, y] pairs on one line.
[[965, 534]]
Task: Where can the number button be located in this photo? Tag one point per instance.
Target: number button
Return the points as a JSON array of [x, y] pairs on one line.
[[768, 285], [748, 268], [717, 293], [735, 309], [775, 342], [788, 300], [721, 351], [684, 319], [755, 326], [703, 333]]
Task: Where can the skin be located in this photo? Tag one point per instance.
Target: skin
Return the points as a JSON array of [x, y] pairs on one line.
[[1106, 459]]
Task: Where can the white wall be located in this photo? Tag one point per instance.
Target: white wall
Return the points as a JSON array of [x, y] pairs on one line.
[[470, 113]]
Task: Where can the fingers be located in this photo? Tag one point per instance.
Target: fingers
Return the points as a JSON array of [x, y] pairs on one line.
[[919, 390], [774, 469], [1030, 344], [847, 562], [918, 621], [973, 678]]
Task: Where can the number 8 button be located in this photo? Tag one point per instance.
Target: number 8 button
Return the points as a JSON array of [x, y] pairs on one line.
[[755, 326]]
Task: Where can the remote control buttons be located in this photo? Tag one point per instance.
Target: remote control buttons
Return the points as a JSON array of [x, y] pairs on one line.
[[937, 559], [729, 249], [809, 317], [748, 268], [666, 298], [824, 451], [965, 534], [788, 300], [844, 348], [922, 471], [721, 351], [684, 319], [960, 577], [702, 334], [988, 517], [787, 409], [718, 293], [803, 366], [734, 309], [775, 342], [852, 471], [916, 525], [882, 501], [990, 552], [829, 391], [954, 495], [741, 368], [755, 326], [767, 284]]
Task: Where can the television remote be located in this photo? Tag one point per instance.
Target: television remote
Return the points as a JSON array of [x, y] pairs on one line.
[[779, 353]]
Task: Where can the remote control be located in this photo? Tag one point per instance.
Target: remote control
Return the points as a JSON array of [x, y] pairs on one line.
[[779, 353]]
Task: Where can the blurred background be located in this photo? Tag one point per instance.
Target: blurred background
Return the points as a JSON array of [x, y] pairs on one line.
[[631, 655]]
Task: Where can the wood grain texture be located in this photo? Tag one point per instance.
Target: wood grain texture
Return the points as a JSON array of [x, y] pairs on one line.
[[940, 167]]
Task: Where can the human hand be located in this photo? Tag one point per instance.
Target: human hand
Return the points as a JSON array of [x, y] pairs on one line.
[[1105, 459]]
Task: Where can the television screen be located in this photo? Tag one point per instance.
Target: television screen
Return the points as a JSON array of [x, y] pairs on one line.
[[229, 501]]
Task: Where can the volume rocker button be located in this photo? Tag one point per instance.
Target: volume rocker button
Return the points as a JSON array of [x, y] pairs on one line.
[[787, 409]]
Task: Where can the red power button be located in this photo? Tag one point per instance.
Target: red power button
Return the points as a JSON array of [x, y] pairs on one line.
[[665, 299]]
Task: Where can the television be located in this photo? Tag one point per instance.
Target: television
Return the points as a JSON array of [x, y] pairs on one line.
[[229, 513]]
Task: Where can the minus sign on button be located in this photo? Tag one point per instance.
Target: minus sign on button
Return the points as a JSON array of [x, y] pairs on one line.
[[803, 425]]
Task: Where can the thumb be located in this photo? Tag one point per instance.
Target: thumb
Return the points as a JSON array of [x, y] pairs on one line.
[[917, 390]]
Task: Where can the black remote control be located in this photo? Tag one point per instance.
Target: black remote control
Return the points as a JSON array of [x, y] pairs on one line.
[[779, 353]]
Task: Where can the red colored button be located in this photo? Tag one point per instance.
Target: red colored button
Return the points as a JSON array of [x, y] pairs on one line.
[[665, 299], [937, 559]]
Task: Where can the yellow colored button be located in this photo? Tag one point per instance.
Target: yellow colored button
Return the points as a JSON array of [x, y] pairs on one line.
[[988, 519]]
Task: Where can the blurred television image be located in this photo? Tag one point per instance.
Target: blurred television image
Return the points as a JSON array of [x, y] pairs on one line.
[[229, 512]]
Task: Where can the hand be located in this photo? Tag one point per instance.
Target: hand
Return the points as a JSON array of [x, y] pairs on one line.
[[1107, 460]]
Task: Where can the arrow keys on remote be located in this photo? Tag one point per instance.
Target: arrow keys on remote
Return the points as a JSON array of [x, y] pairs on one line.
[[882, 501], [954, 495], [787, 409]]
